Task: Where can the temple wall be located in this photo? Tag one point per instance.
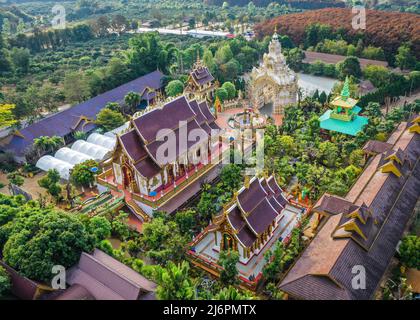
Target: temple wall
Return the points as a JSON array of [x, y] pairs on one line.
[[141, 183], [155, 182]]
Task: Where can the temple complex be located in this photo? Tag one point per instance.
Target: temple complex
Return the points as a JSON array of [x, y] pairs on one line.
[[162, 153], [259, 215], [200, 84], [364, 227], [344, 117], [273, 81]]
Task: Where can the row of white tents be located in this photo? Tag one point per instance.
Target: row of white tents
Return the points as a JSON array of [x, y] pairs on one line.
[[97, 147]]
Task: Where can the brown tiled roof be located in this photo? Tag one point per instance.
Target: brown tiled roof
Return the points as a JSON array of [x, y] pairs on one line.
[[246, 236], [76, 292], [201, 118], [142, 142], [235, 218], [333, 205], [273, 184], [168, 117], [147, 168], [206, 112], [22, 287], [181, 148], [202, 75], [251, 197], [255, 210], [108, 279], [391, 201], [133, 145], [262, 216], [375, 146]]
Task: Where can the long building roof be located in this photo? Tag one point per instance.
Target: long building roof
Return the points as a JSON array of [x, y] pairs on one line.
[[108, 279], [142, 143], [67, 121], [364, 228]]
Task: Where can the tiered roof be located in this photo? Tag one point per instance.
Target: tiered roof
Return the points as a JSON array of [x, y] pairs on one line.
[[364, 228], [201, 74], [255, 209], [142, 141]]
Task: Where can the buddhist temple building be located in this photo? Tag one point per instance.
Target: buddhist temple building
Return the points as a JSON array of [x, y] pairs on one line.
[[364, 227], [259, 215], [164, 155], [273, 82], [344, 118], [201, 84]]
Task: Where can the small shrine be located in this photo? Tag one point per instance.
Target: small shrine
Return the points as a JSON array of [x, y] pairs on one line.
[[201, 84], [344, 117]]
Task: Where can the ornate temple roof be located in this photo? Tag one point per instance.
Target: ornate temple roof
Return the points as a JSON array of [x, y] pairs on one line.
[[141, 143], [256, 207], [364, 228]]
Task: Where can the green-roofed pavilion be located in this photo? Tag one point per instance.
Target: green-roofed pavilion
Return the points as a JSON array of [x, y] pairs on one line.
[[344, 118]]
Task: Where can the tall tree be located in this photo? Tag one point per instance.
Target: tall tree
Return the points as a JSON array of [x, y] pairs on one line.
[[174, 282]]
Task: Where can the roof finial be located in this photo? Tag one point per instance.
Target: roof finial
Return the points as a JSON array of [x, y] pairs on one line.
[[275, 35]]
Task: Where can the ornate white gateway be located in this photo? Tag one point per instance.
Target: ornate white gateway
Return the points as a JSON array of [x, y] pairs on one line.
[[273, 81]]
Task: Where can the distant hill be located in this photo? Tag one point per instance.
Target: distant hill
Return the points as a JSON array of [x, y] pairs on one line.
[[302, 4], [383, 29]]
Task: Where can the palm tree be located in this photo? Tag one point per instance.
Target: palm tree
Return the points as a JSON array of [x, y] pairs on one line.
[[132, 100]]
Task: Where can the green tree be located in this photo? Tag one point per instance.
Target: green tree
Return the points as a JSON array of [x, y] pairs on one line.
[[328, 153], [38, 239], [404, 58], [6, 115], [186, 221], [349, 67], [20, 58], [120, 226], [231, 293], [51, 183], [174, 88], [294, 58], [174, 282], [230, 89], [100, 227], [228, 261], [76, 88], [16, 179], [132, 100], [82, 174], [109, 119], [410, 251], [5, 283], [275, 262], [378, 75], [222, 94]]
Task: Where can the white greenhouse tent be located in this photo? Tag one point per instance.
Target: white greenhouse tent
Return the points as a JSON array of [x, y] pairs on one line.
[[103, 141], [48, 162], [71, 156], [94, 151]]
